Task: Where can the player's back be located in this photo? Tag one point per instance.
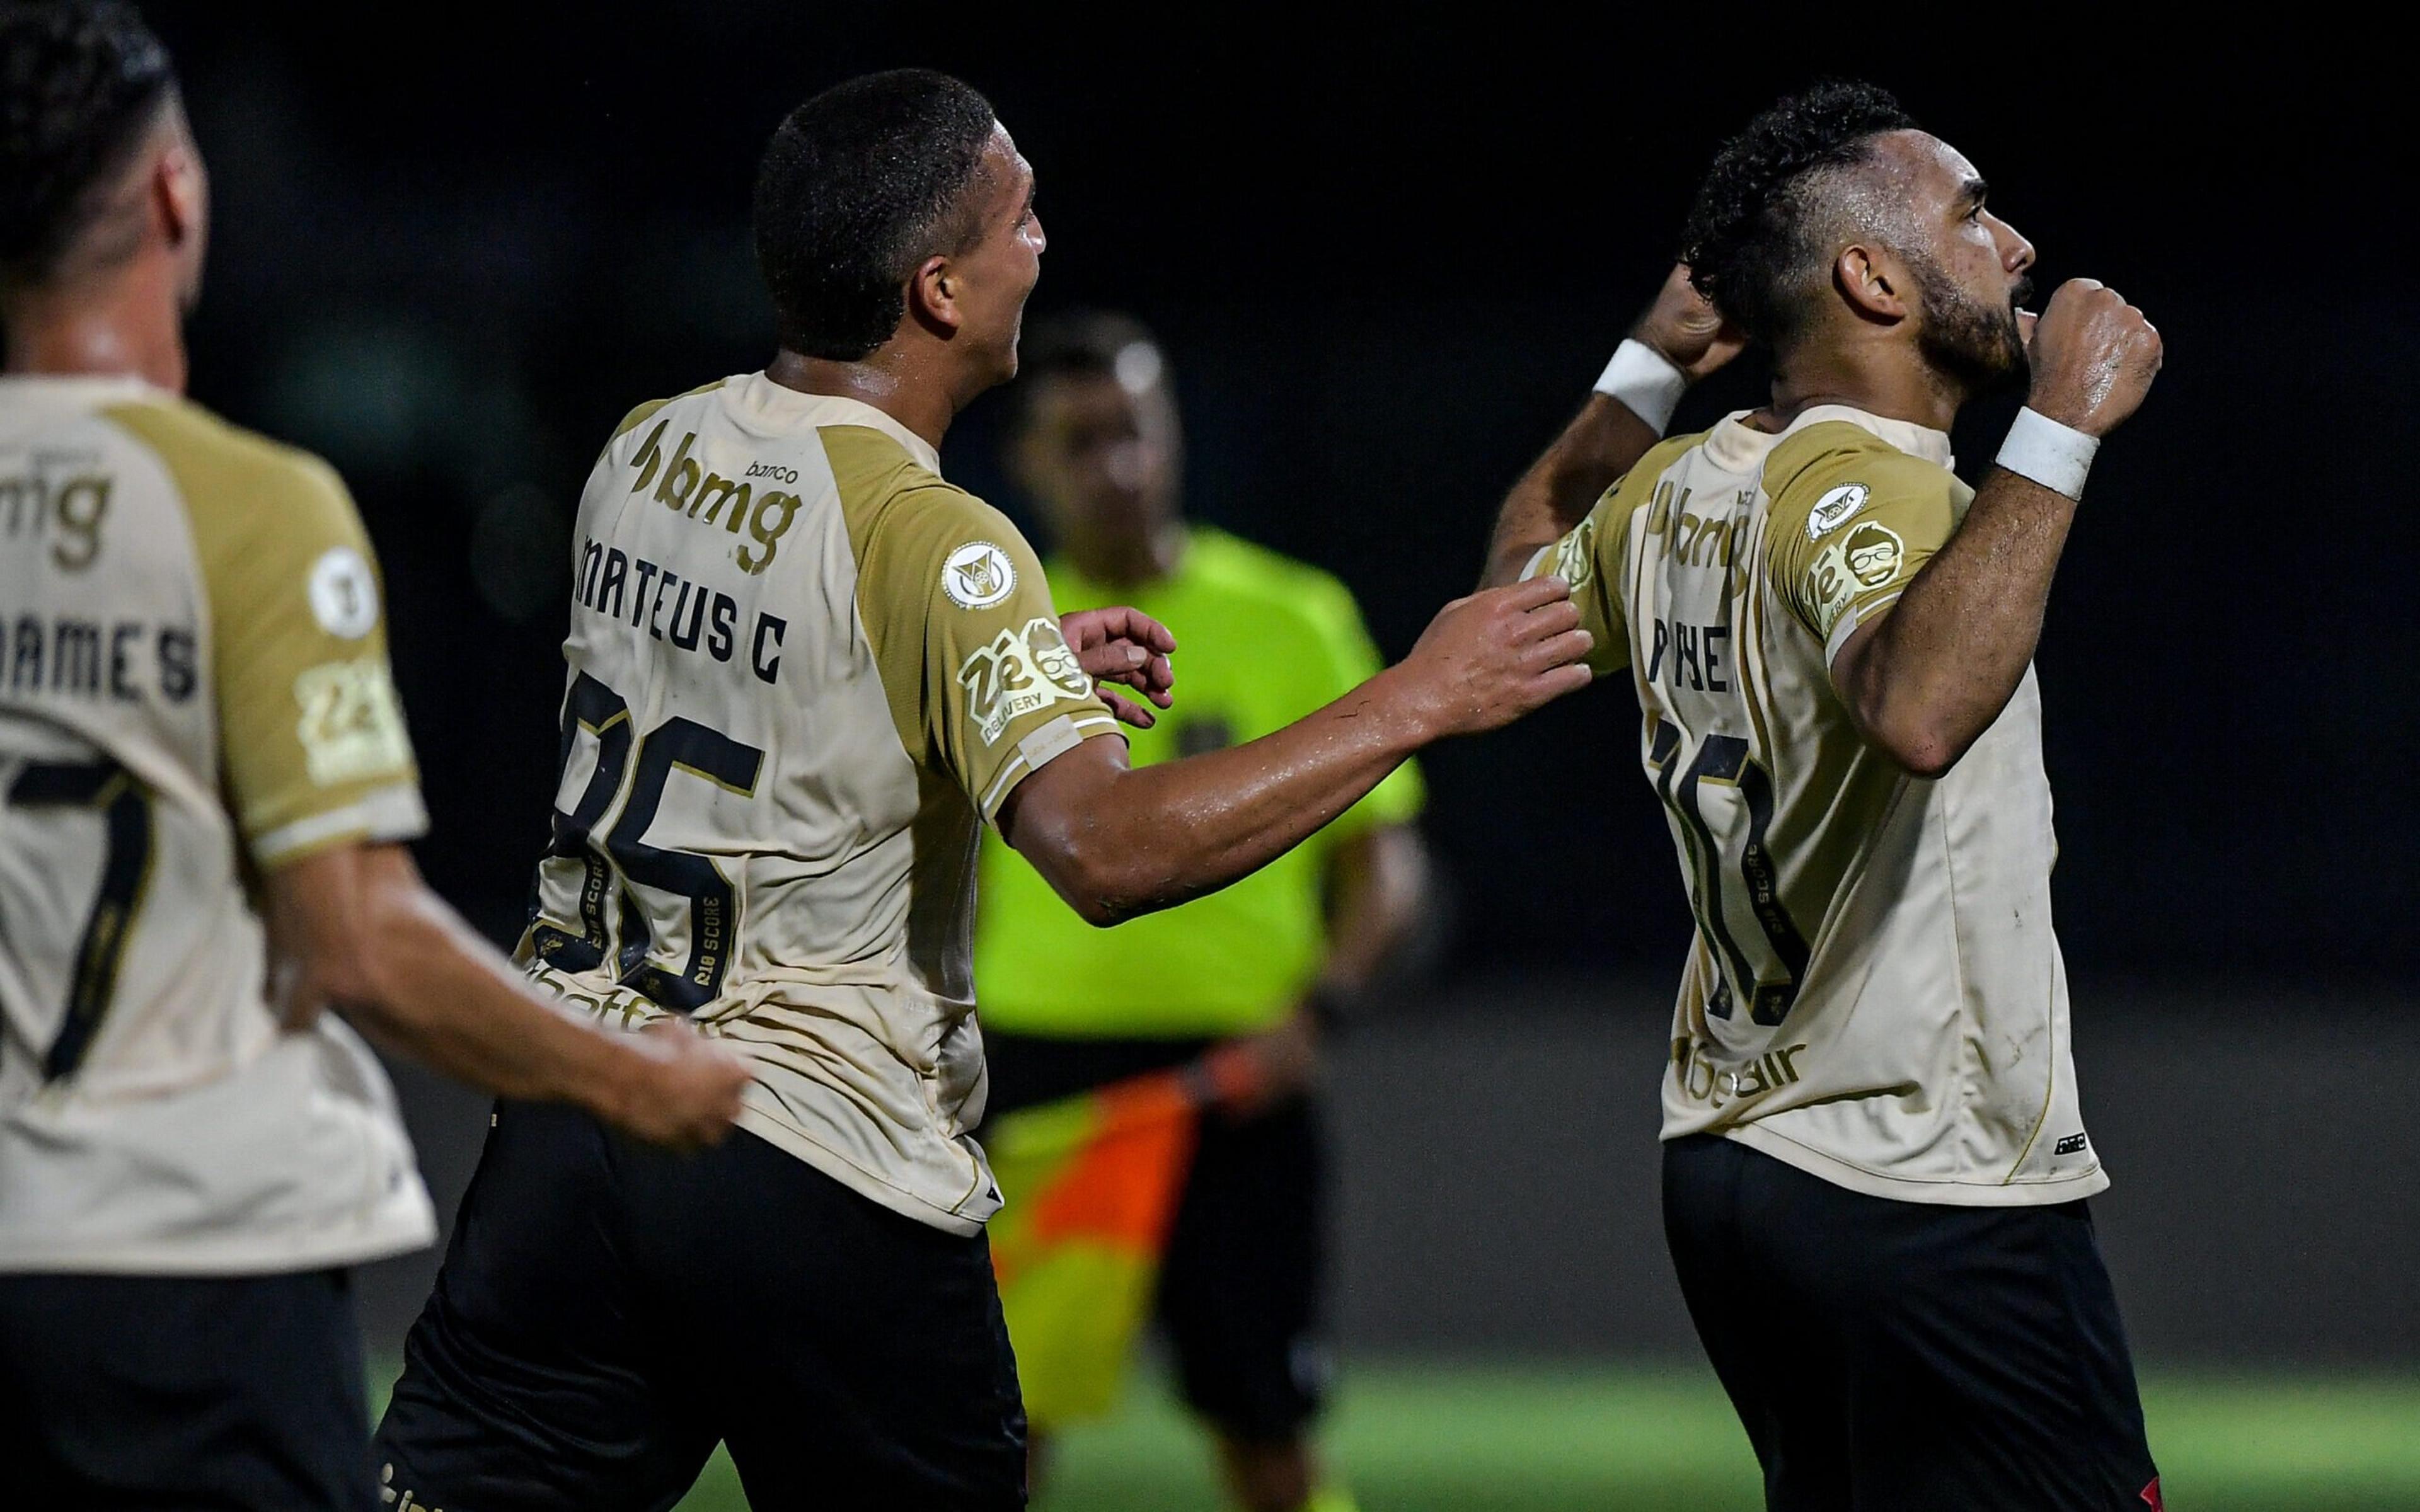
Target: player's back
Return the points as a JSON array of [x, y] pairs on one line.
[[192, 686], [1874, 993], [802, 669]]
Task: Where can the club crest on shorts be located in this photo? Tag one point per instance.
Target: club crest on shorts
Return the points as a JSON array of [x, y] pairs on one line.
[[1834, 507], [978, 575]]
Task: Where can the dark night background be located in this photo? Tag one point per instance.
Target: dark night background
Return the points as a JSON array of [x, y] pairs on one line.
[[453, 246]]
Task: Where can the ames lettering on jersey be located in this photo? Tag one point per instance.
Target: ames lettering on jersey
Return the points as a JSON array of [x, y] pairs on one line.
[[65, 511], [125, 661], [709, 497], [686, 615]]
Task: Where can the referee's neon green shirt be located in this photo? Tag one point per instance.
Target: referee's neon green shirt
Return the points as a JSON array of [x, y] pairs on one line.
[[1261, 641]]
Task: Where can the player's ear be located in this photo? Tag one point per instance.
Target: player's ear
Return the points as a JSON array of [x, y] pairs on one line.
[[933, 293], [1875, 285]]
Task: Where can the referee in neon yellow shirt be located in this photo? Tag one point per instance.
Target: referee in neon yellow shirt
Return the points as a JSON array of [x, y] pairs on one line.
[[1235, 983]]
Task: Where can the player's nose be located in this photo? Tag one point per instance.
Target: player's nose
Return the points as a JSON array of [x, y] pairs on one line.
[[2016, 253]]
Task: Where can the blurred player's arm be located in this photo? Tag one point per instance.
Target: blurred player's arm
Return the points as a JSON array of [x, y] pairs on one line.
[[355, 928], [320, 780], [1117, 841], [1381, 886], [1925, 680], [1608, 437]]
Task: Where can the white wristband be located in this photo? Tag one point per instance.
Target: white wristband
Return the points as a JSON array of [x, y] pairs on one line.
[[1645, 380], [2054, 455]]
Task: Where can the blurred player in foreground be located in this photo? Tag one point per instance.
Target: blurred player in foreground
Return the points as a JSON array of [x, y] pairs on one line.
[[1875, 1168], [196, 727], [804, 670], [1077, 1022]]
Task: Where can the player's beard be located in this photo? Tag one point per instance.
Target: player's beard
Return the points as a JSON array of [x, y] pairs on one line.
[[1977, 345]]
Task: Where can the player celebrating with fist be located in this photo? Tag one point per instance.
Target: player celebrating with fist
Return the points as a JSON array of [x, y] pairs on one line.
[[1876, 1168]]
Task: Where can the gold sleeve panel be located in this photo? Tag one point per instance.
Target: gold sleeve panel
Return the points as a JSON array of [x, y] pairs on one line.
[[1591, 557], [310, 736], [980, 683], [1853, 520]]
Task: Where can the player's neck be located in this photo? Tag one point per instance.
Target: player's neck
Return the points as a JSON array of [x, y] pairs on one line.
[[1885, 380], [126, 325], [895, 383]]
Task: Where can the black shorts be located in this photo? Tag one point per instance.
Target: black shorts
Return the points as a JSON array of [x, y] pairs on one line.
[[182, 1393], [1239, 1296], [608, 1311], [1892, 1356]]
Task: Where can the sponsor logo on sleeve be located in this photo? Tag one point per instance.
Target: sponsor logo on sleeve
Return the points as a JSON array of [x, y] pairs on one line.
[[344, 593], [352, 727], [1574, 560], [1019, 672], [1834, 508], [1873, 553], [978, 575]]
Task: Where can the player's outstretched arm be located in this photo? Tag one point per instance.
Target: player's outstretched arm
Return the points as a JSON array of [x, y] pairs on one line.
[[355, 928], [1925, 681], [1117, 841], [1609, 435]]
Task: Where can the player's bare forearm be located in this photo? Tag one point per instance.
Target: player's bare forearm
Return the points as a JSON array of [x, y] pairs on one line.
[[1116, 840], [1927, 679], [1602, 442], [355, 928], [1378, 891], [1119, 840]]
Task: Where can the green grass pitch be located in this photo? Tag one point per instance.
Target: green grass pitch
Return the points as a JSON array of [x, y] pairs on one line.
[[1432, 1438]]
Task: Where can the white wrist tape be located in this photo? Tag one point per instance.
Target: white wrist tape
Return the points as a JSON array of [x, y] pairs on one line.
[[1645, 381], [2054, 455]]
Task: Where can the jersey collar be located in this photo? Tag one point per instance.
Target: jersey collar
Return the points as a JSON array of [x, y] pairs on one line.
[[1737, 447], [779, 407], [80, 390]]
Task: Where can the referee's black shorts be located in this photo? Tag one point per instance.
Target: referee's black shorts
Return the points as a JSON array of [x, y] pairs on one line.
[[607, 1311], [1894, 1356], [1240, 1293]]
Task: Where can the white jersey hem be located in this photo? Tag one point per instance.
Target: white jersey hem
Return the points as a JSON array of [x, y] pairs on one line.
[[2090, 1181], [792, 1141], [240, 1252]]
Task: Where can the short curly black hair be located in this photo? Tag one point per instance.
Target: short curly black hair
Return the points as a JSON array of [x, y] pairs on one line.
[[859, 186], [79, 85], [1749, 243]]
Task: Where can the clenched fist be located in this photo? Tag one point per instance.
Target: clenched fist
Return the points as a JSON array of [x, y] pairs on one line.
[[2094, 357], [1685, 326], [1488, 660]]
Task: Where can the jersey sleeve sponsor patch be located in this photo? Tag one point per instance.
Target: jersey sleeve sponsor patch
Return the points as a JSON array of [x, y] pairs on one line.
[[978, 575], [351, 724], [1589, 558], [1019, 672], [1853, 525]]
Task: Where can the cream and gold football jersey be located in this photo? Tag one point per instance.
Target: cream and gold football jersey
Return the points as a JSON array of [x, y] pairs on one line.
[[193, 687], [1874, 994], [804, 670]]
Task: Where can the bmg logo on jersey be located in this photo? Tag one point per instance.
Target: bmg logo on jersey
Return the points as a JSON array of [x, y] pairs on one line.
[[1020, 671], [66, 510], [708, 496]]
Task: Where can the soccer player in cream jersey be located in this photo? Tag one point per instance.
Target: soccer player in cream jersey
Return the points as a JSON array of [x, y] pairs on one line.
[[804, 670], [197, 730], [1875, 1165]]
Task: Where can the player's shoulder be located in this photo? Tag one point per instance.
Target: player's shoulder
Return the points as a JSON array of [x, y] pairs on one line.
[[240, 491], [1816, 454], [627, 430]]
